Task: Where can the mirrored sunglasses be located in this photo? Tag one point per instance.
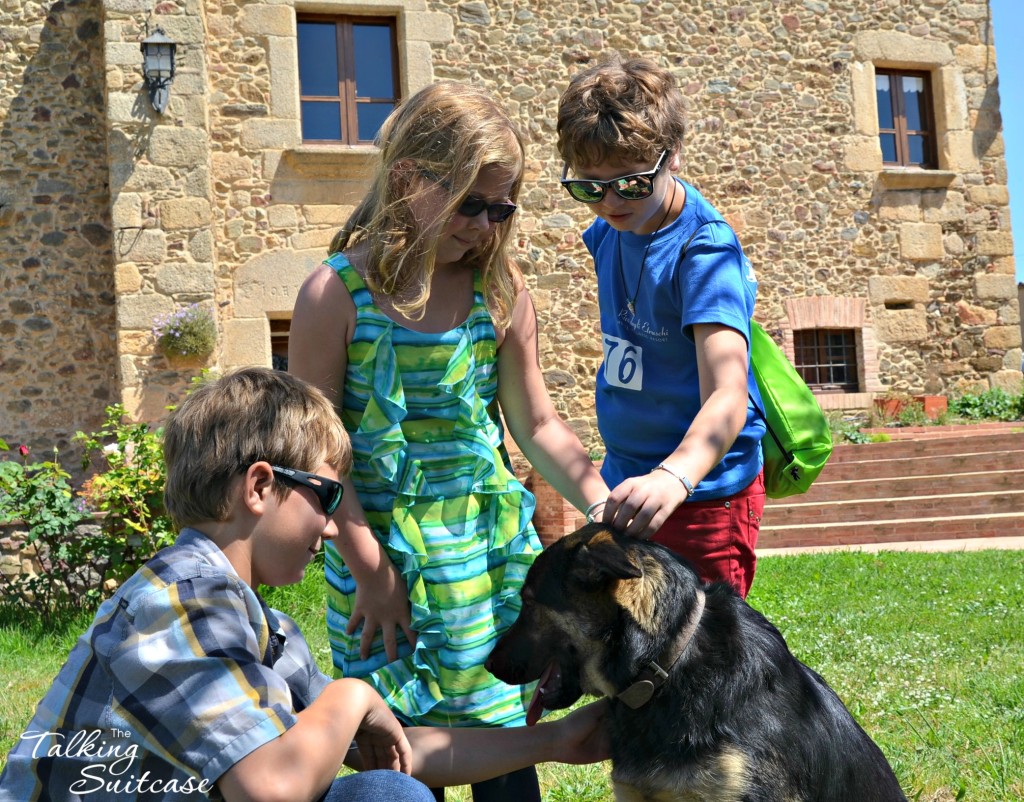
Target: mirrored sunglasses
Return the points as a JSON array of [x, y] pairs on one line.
[[496, 212], [328, 491], [635, 186]]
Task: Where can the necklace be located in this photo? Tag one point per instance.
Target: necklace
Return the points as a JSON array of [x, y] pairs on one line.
[[631, 302]]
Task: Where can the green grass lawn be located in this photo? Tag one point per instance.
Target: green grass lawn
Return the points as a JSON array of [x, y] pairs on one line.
[[926, 650]]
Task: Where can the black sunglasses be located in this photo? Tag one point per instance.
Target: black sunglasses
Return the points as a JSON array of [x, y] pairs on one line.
[[328, 492], [636, 186], [472, 205], [496, 212]]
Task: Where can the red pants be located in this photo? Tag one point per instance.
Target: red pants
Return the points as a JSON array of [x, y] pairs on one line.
[[719, 536]]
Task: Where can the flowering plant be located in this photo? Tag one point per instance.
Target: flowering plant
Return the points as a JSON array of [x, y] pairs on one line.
[[189, 331], [36, 497]]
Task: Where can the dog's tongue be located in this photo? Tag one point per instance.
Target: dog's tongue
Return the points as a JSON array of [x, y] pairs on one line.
[[536, 707]]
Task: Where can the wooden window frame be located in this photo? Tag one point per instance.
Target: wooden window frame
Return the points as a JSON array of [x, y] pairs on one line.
[[900, 132], [345, 57], [812, 373]]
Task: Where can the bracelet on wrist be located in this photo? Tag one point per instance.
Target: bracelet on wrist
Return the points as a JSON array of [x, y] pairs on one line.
[[589, 513], [661, 466]]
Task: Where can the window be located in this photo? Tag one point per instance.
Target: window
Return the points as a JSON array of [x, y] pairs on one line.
[[826, 359], [906, 128], [348, 77], [279, 343]]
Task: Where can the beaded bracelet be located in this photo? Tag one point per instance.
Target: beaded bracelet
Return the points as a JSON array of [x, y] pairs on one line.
[[661, 466], [590, 510]]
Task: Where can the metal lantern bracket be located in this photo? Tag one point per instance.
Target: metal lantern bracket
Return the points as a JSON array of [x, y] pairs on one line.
[[158, 67]]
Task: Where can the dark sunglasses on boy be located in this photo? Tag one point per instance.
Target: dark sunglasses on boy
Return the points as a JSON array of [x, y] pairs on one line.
[[472, 205], [635, 186], [328, 492]]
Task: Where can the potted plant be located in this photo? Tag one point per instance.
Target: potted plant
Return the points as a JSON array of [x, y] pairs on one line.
[[187, 332]]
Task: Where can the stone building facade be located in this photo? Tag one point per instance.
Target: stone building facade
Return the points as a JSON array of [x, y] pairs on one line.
[[112, 215]]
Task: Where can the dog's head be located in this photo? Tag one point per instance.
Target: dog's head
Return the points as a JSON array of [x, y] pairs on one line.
[[596, 607]]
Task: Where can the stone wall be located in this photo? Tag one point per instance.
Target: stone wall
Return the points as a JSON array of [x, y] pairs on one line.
[[218, 201], [58, 364]]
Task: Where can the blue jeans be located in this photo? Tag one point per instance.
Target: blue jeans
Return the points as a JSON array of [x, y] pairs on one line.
[[374, 786]]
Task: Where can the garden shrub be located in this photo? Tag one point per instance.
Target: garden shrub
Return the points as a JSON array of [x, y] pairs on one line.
[[85, 545]]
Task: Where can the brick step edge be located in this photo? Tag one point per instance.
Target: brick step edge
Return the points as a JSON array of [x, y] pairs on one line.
[[954, 545], [900, 507], [917, 529], [857, 452], [924, 465], [871, 489]]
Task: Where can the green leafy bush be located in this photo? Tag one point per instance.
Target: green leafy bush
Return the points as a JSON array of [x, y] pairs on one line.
[[129, 488], [846, 429], [83, 546], [994, 404], [38, 500]]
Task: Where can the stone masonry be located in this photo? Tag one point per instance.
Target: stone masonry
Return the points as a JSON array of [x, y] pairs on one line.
[[111, 214]]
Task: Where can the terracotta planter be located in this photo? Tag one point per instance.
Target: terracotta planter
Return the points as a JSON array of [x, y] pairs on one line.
[[933, 405]]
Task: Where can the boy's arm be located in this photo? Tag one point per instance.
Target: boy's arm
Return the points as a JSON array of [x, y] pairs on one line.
[[544, 438], [322, 324], [641, 504], [459, 756], [301, 764]]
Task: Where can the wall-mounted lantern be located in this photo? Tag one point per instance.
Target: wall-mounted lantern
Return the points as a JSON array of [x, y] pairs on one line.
[[158, 67]]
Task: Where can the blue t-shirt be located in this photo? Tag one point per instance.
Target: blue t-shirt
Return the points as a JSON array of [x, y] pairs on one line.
[[648, 391]]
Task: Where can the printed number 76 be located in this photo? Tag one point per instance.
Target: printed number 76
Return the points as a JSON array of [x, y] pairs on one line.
[[623, 365]]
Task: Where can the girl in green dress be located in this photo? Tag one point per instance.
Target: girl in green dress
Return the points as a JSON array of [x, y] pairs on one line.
[[420, 329]]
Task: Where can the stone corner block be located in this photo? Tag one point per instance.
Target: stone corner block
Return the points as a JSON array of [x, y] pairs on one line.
[[267, 20], [270, 134], [995, 286], [897, 290], [246, 342], [921, 241], [268, 283]]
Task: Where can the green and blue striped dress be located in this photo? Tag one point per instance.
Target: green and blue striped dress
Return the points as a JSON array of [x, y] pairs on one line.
[[436, 484]]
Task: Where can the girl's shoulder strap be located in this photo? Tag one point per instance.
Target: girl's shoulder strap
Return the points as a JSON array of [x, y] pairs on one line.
[[340, 264]]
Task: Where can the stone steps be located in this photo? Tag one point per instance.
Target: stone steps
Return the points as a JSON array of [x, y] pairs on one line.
[[940, 486]]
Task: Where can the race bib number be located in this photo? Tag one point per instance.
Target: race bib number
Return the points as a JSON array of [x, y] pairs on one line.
[[623, 363]]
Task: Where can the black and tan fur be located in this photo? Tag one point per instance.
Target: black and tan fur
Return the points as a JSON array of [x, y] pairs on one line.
[[739, 718]]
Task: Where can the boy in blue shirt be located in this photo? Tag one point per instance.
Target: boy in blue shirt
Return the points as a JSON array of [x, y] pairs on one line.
[[188, 686], [672, 391]]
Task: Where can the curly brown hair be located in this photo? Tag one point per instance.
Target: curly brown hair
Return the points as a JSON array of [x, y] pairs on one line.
[[625, 110]]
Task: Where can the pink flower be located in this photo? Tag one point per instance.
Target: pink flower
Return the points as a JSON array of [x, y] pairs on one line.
[[23, 450]]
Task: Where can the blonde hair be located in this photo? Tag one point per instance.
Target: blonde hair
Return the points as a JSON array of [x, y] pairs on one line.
[[630, 110], [225, 425], [447, 132]]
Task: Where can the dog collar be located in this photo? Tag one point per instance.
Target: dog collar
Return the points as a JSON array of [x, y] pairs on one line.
[[653, 676]]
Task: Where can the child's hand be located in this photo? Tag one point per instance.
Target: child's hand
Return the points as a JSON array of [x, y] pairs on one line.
[[382, 741], [382, 603], [641, 504], [582, 735]]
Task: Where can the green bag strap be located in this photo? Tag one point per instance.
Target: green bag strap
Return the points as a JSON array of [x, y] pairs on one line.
[[786, 453], [760, 412]]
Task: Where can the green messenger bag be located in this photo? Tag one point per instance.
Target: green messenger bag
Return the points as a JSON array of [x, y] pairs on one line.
[[798, 442]]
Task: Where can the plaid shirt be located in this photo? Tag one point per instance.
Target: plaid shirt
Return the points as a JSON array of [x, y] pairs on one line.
[[183, 672]]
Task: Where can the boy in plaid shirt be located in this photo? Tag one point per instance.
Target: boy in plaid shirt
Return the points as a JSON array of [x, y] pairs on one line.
[[188, 687]]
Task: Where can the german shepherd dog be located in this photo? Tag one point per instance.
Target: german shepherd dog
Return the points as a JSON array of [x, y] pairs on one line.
[[707, 701]]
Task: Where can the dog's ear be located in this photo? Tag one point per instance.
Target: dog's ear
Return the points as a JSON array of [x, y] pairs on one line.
[[601, 560]]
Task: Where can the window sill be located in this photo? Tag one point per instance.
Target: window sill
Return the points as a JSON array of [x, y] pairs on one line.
[[330, 160], [915, 178]]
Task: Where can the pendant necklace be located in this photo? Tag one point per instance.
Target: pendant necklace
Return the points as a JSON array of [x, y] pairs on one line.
[[631, 302]]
